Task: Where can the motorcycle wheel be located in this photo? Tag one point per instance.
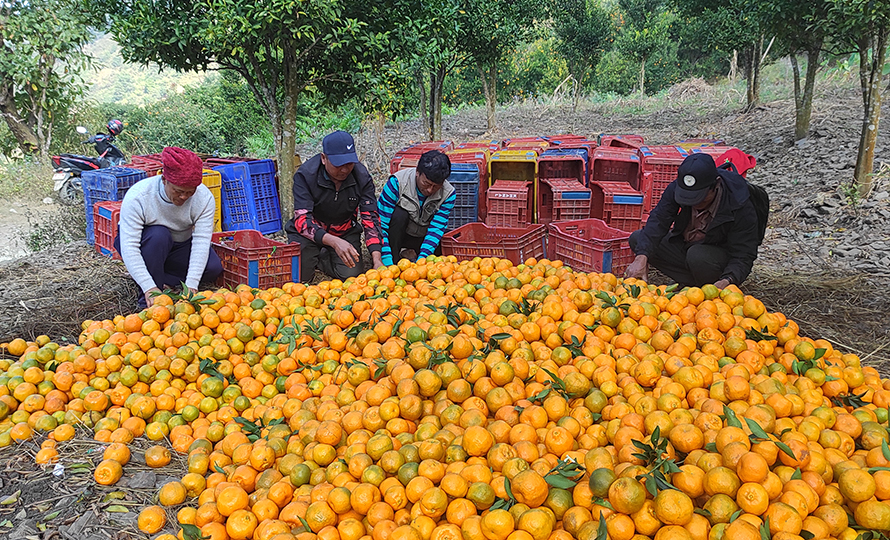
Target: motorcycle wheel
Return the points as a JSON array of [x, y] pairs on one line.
[[71, 194]]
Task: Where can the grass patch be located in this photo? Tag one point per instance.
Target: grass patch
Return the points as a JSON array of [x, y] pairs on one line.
[[25, 178]]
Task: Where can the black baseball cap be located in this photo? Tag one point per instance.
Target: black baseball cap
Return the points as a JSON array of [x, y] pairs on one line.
[[339, 148], [696, 175]]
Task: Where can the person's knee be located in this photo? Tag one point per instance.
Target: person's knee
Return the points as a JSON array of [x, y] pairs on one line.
[[706, 262], [157, 235]]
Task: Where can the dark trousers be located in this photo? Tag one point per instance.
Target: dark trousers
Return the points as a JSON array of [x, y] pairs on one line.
[[687, 264], [314, 256], [398, 236], [168, 261]]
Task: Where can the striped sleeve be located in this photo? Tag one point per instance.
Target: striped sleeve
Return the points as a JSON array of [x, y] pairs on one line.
[[389, 196], [437, 227]]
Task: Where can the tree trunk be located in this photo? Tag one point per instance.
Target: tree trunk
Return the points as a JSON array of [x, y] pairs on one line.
[[871, 74], [286, 138], [18, 126], [437, 80], [734, 66], [752, 74], [489, 88], [803, 100], [424, 114], [643, 78]]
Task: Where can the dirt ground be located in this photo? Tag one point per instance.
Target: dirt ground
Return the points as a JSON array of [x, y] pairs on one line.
[[825, 262]]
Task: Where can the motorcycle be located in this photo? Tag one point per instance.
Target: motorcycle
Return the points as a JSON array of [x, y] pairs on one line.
[[68, 167]]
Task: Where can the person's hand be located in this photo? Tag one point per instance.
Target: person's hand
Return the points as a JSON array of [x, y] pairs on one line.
[[344, 250], [377, 259], [639, 268], [409, 254], [722, 284], [149, 296]]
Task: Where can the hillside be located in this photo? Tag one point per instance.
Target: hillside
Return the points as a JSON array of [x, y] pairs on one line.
[[114, 81]]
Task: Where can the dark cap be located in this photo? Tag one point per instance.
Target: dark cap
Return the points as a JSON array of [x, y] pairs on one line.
[[339, 148], [696, 175]]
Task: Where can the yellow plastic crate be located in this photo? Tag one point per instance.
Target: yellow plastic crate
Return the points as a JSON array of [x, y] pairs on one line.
[[213, 181], [516, 165]]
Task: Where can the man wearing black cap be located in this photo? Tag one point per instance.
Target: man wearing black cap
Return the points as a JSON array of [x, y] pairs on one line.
[[334, 201], [703, 230]]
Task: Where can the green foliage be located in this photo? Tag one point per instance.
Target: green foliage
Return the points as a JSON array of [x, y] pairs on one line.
[[42, 56], [25, 178], [584, 32], [65, 225]]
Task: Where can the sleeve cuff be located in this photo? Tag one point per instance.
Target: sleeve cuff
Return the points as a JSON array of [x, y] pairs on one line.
[[319, 236]]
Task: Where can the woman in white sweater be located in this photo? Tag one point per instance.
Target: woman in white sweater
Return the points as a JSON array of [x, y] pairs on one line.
[[166, 223]]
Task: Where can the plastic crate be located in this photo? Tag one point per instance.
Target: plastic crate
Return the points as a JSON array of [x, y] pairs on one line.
[[532, 146], [508, 204], [689, 144], [394, 164], [250, 196], [660, 166], [465, 179], [562, 199], [480, 160], [151, 164], [616, 203], [110, 184], [213, 162], [517, 244], [250, 258], [621, 141], [408, 162], [107, 216], [589, 245], [213, 181], [515, 165], [616, 165], [563, 164]]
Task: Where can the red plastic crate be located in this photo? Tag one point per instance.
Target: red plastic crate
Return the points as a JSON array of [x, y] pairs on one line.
[[660, 165], [249, 257], [589, 245], [516, 244], [621, 141], [616, 203], [408, 162], [151, 164], [563, 166], [562, 199], [508, 204], [616, 165], [106, 216], [532, 146]]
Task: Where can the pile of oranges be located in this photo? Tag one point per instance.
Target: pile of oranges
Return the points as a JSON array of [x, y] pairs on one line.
[[473, 400]]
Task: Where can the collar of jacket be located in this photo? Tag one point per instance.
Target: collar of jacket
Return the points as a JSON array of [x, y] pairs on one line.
[[326, 182]]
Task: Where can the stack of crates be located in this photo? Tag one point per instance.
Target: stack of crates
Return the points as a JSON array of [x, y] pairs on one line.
[[660, 165], [213, 180], [411, 154], [106, 215], [534, 146], [151, 164], [488, 146], [479, 158], [617, 204], [250, 196], [515, 166], [509, 204], [562, 199], [465, 179], [565, 163], [109, 184], [621, 141], [616, 165]]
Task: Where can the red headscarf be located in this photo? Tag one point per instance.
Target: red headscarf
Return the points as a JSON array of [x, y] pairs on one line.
[[182, 167]]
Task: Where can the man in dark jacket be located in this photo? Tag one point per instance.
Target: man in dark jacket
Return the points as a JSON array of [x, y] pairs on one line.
[[703, 230], [334, 201]]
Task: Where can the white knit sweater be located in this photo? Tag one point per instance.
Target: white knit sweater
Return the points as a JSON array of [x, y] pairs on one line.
[[146, 204]]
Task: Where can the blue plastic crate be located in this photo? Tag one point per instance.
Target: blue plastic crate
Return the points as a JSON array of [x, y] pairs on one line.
[[109, 184], [250, 196], [465, 179]]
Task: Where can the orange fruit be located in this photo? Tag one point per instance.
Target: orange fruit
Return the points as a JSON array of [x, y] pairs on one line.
[[151, 519]]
